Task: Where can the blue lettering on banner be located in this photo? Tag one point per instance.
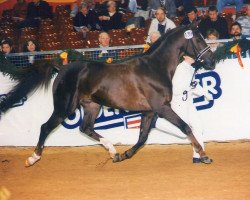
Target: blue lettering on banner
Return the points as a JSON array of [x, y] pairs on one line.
[[19, 103], [211, 82], [107, 118]]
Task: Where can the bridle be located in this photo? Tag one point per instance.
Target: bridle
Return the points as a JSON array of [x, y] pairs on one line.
[[198, 54], [198, 61]]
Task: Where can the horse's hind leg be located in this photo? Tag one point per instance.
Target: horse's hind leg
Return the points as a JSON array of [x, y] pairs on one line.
[[91, 111], [167, 113], [146, 121], [46, 129]]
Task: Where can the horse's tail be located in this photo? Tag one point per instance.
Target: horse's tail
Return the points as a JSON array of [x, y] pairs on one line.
[[38, 75]]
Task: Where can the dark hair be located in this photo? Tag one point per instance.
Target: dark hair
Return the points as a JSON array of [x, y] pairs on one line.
[[189, 9], [7, 41], [25, 46], [212, 8], [236, 24]]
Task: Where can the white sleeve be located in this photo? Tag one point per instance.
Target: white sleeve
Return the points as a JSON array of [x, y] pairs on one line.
[[182, 78], [152, 29]]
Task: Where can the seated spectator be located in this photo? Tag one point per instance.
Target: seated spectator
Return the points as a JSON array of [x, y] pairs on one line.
[[37, 9], [191, 16], [212, 34], [154, 36], [142, 9], [75, 8], [7, 46], [216, 22], [168, 5], [161, 23], [20, 10], [236, 31], [222, 3], [104, 42], [110, 19], [85, 20], [31, 47], [123, 5], [245, 22]]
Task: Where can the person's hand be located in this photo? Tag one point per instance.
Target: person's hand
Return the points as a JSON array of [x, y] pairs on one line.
[[101, 18], [188, 59]]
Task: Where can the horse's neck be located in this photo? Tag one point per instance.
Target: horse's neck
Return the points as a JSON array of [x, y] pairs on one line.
[[165, 60]]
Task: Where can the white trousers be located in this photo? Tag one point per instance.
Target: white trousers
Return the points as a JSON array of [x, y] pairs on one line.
[[188, 113]]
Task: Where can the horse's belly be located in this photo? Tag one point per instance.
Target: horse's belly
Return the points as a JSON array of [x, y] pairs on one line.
[[123, 101]]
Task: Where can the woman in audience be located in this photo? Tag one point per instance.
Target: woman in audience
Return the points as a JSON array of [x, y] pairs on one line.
[[31, 47]]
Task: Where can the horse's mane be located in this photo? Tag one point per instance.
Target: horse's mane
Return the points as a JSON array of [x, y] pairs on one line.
[[158, 42]]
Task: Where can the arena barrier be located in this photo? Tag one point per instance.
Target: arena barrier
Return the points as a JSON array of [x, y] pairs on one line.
[[226, 117]]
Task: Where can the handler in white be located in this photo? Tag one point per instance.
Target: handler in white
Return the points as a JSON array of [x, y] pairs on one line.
[[182, 103]]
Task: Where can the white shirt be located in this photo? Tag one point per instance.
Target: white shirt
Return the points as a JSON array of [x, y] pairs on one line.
[[154, 26], [181, 82], [245, 24]]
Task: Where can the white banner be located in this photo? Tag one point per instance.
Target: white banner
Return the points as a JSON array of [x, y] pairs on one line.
[[226, 117]]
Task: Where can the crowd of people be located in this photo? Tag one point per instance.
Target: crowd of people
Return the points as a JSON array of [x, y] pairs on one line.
[[106, 16]]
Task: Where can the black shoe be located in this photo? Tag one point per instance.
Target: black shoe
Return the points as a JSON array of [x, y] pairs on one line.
[[196, 160]]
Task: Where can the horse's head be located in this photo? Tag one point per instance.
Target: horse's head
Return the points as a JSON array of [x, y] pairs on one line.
[[196, 47]]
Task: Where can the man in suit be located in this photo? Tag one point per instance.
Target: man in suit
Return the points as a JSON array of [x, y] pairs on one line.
[[168, 5]]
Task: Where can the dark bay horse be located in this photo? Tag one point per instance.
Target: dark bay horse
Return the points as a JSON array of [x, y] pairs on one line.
[[142, 83]]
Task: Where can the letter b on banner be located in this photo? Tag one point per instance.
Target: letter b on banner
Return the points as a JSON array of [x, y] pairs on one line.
[[211, 82]]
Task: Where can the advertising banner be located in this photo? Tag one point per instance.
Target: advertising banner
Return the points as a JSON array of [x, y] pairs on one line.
[[226, 117]]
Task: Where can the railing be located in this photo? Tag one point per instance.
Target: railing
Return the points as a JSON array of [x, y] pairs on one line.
[[97, 54], [101, 54]]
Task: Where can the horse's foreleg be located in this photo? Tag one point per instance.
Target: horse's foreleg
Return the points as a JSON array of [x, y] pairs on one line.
[[146, 121], [167, 113], [91, 111], [46, 129]]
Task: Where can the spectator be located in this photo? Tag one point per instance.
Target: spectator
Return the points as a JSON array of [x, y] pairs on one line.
[[7, 46], [212, 34], [222, 3], [37, 9], [161, 23], [236, 31], [216, 22], [191, 16], [245, 22], [85, 20], [168, 5], [31, 47], [90, 4], [154, 36], [110, 19], [142, 9], [20, 10], [182, 5], [104, 42]]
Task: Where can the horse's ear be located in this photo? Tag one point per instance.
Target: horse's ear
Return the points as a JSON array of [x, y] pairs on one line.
[[194, 24]]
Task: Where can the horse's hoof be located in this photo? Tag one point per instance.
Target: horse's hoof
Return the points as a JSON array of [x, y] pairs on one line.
[[117, 158], [206, 160], [32, 160]]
